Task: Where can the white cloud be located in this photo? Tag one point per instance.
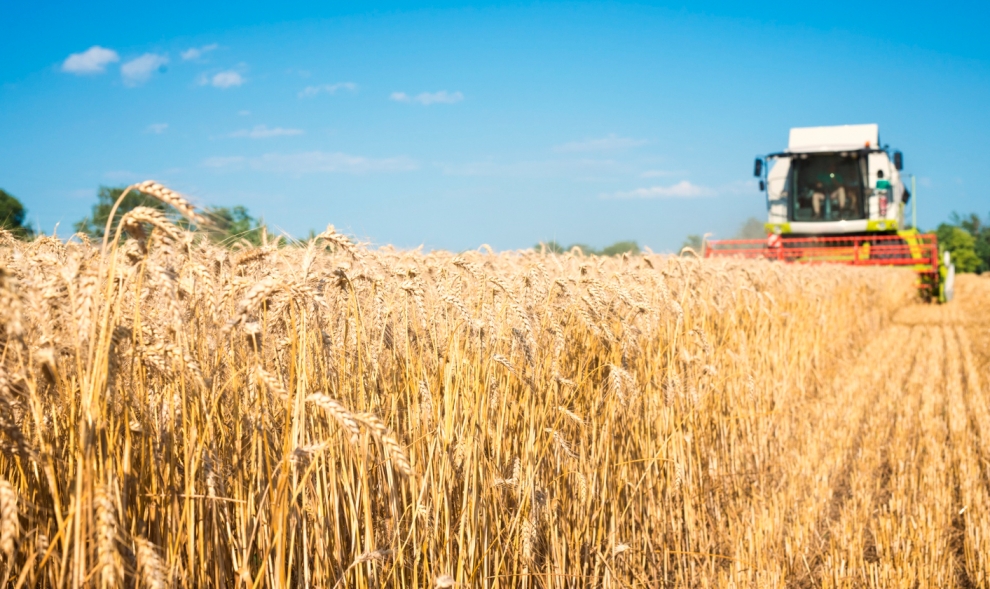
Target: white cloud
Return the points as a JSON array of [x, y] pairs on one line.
[[428, 98], [139, 69], [659, 174], [244, 113], [197, 52], [607, 143], [224, 79], [738, 187], [157, 128], [311, 91], [263, 132], [682, 189], [570, 168], [223, 161], [92, 61], [313, 162]]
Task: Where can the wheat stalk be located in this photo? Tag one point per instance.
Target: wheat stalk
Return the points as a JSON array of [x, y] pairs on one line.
[[9, 522], [553, 405]]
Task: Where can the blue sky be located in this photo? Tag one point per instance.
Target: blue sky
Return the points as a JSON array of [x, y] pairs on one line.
[[456, 124]]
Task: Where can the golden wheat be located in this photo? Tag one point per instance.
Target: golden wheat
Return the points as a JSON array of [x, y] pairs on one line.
[[173, 413]]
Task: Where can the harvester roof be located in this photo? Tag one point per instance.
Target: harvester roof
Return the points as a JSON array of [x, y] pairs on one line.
[[837, 138]]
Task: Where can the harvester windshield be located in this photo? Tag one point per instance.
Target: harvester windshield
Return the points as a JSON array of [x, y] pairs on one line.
[[827, 187]]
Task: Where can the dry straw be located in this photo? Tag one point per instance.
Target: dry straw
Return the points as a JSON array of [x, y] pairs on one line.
[[327, 414]]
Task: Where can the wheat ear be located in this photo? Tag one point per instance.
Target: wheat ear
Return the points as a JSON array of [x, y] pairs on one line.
[[9, 524], [173, 199], [151, 568]]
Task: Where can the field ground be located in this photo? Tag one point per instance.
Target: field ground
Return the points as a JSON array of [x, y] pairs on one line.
[[178, 414], [895, 492]]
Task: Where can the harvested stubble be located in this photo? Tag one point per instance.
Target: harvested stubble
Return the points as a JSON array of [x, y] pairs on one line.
[[176, 414]]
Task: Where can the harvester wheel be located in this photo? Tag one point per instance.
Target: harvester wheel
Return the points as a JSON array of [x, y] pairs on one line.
[[929, 288]]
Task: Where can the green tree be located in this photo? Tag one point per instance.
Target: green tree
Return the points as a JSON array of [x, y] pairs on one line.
[[983, 249], [616, 249], [752, 228], [694, 242], [585, 249], [227, 224], [980, 231], [551, 247], [970, 222], [961, 245], [620, 247], [233, 224], [94, 224], [12, 214]]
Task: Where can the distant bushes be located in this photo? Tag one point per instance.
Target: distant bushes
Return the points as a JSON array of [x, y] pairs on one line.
[[12, 216], [968, 241], [616, 249]]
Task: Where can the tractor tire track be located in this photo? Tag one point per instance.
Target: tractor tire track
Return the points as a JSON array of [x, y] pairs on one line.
[[973, 470], [959, 439], [884, 476], [850, 543], [975, 400], [826, 434]]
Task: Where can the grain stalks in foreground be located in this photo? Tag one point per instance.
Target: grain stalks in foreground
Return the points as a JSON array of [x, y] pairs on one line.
[[173, 414]]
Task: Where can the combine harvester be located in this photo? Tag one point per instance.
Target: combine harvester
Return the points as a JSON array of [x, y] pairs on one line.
[[836, 196]]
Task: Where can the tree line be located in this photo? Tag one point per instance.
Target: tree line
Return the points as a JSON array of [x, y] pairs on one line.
[[967, 237], [228, 225], [616, 249]]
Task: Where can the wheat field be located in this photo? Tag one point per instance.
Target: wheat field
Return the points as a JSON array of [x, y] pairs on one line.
[[325, 414]]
